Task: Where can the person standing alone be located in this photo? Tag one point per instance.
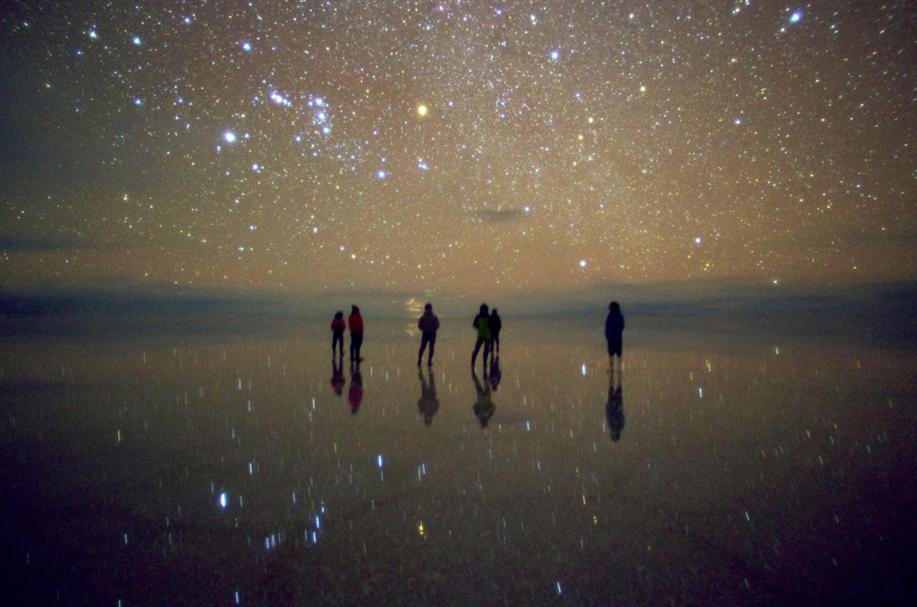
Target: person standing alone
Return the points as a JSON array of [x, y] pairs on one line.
[[355, 322], [614, 330], [428, 325]]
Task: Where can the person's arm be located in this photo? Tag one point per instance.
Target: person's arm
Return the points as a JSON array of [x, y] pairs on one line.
[[436, 318], [608, 327]]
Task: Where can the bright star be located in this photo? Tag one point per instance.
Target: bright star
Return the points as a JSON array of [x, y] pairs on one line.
[[555, 55], [229, 137], [422, 110], [796, 17], [136, 40], [381, 174], [582, 263], [247, 46]]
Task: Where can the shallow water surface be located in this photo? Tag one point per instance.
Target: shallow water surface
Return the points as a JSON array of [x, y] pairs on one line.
[[230, 470]]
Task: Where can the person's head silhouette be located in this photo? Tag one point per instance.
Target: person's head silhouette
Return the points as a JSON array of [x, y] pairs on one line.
[[483, 310]]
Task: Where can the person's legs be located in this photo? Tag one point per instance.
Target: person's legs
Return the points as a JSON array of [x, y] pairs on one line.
[[488, 345], [614, 354], [477, 346], [497, 343], [432, 346], [358, 338], [336, 341], [423, 344]]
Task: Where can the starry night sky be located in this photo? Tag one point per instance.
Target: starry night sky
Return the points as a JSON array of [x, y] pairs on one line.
[[456, 145]]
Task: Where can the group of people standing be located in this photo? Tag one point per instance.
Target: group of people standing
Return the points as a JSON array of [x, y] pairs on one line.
[[487, 325], [338, 326]]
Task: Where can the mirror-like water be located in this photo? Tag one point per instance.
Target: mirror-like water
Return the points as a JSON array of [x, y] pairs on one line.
[[224, 471]]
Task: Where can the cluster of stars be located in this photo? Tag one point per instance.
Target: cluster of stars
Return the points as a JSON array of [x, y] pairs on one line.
[[370, 141]]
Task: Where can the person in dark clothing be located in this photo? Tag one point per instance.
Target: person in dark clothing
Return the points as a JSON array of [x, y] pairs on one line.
[[355, 322], [481, 323], [428, 404], [495, 325], [337, 332], [614, 329], [428, 325]]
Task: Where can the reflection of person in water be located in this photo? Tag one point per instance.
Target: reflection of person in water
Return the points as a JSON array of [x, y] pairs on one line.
[[428, 403], [337, 376], [495, 374], [614, 410], [355, 396], [483, 409]]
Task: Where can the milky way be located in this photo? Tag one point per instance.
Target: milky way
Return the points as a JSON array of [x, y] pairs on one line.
[[308, 146]]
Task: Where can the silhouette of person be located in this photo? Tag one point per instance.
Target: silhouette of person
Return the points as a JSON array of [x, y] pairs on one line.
[[614, 329], [484, 408], [495, 374], [355, 396], [337, 333], [428, 325], [481, 322], [495, 325], [428, 404], [337, 374], [614, 410], [355, 322]]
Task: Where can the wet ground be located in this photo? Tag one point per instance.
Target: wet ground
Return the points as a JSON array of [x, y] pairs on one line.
[[222, 470]]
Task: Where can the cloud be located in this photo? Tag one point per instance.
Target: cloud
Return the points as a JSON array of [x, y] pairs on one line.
[[498, 215], [25, 244]]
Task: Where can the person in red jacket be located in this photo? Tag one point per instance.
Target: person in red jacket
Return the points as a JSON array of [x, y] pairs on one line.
[[355, 322], [338, 326]]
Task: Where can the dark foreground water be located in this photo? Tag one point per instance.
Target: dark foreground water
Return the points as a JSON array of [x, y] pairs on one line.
[[222, 470]]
